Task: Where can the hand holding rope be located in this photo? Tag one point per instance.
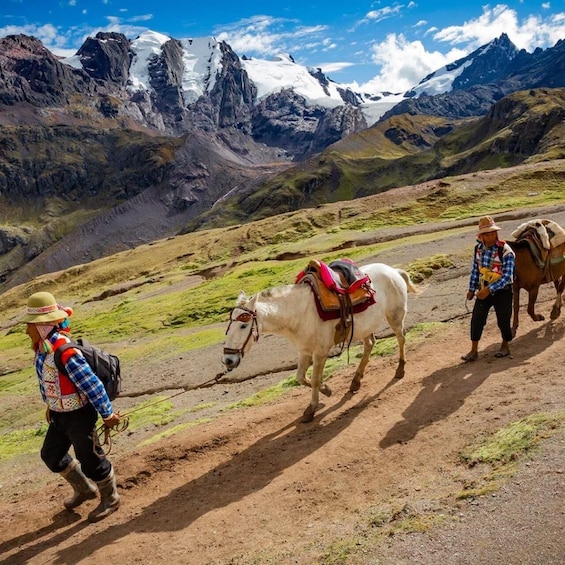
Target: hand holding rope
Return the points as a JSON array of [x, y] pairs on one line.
[[105, 433]]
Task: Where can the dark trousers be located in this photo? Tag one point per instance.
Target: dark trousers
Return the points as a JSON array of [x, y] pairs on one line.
[[501, 301], [76, 428]]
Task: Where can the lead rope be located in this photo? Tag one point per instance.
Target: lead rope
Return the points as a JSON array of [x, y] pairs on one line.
[[467, 305], [104, 434]]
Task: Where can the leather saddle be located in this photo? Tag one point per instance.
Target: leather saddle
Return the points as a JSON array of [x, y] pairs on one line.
[[540, 254], [334, 281], [340, 289]]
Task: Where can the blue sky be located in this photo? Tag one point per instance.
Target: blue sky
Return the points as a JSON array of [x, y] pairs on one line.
[[389, 44]]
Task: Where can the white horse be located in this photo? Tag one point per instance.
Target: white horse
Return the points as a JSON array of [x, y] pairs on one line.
[[291, 311]]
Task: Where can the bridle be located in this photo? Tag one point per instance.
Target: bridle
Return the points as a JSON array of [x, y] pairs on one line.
[[246, 316]]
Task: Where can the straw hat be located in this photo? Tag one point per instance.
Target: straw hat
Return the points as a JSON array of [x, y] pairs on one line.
[[42, 308], [486, 225]]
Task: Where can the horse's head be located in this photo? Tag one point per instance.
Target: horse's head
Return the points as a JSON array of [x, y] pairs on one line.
[[241, 333]]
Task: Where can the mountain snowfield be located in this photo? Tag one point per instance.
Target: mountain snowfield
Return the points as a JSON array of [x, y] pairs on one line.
[[202, 59]]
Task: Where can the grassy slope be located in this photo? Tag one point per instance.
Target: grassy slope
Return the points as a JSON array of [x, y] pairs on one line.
[[153, 296], [524, 127]]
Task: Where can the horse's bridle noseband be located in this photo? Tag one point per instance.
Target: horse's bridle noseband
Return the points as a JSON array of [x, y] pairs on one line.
[[246, 316]]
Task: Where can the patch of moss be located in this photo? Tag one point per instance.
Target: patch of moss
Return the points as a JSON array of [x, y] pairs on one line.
[[264, 396], [157, 411], [19, 442], [173, 431], [502, 450], [518, 438]]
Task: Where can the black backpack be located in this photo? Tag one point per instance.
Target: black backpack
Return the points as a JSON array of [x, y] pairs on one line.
[[105, 365]]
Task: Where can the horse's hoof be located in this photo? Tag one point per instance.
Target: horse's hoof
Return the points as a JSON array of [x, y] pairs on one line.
[[308, 415], [555, 313], [399, 373], [538, 318], [326, 390], [355, 385]]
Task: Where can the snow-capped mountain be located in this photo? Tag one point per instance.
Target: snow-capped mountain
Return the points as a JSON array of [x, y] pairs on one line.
[[201, 83], [485, 65], [470, 86], [281, 72], [202, 61], [177, 86]]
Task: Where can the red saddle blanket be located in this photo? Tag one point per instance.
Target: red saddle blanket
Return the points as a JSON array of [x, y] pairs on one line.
[[335, 285]]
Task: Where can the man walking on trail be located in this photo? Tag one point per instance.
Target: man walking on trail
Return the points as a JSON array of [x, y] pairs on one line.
[[73, 404], [492, 275]]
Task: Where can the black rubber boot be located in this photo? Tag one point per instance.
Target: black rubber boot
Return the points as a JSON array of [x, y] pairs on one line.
[[110, 499], [83, 488]]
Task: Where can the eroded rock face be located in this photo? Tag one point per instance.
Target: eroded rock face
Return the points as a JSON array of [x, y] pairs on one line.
[[285, 120], [107, 58], [31, 73]]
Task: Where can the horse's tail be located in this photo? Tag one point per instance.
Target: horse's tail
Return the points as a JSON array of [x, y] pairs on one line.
[[409, 284]]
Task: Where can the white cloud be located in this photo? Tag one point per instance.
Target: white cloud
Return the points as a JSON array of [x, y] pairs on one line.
[[333, 67], [404, 63], [531, 32], [382, 14], [48, 34], [266, 36], [141, 18]]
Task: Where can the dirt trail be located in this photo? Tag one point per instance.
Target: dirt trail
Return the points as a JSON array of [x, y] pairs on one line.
[[257, 486]]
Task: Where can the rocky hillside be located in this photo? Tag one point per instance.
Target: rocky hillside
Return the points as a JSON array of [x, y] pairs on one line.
[[484, 77], [525, 127], [133, 140]]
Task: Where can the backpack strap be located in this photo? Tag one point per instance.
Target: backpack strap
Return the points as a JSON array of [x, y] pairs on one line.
[[500, 249], [62, 354]]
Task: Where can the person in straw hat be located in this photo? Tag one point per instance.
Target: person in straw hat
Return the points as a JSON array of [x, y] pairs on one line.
[[73, 404], [492, 275]]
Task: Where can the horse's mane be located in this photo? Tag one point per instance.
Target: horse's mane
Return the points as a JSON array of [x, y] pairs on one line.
[[275, 291], [265, 295]]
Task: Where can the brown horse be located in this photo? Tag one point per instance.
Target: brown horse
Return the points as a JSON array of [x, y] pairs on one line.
[[530, 277]]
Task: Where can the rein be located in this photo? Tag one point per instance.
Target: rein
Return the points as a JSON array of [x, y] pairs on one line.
[[104, 434], [245, 317]]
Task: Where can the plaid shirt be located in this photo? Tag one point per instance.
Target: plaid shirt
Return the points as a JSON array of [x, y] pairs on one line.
[[81, 375], [487, 256]]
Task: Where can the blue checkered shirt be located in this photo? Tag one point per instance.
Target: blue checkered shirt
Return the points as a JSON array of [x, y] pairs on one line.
[[82, 376], [487, 255]]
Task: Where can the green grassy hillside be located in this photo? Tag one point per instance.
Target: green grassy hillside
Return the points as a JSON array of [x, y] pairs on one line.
[[152, 304], [525, 127]]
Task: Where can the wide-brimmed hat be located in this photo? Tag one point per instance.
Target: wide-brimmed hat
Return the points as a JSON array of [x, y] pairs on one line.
[[42, 308], [486, 225]]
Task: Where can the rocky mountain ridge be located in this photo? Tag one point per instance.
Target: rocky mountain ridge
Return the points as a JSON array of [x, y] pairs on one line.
[[484, 77], [137, 139], [102, 77]]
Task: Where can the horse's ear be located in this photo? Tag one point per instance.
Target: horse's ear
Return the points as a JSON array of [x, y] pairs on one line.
[[241, 299]]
